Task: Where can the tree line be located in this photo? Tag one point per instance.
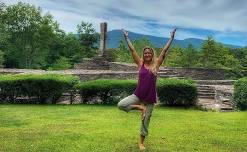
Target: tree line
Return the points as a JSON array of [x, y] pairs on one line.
[[211, 55], [32, 40]]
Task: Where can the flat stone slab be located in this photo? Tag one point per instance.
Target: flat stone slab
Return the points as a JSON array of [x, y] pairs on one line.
[[70, 71], [225, 88]]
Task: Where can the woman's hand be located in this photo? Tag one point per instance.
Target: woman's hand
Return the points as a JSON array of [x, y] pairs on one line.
[[173, 33], [125, 33]]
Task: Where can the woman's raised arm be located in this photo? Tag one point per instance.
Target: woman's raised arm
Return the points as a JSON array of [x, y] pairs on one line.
[[165, 49], [134, 54]]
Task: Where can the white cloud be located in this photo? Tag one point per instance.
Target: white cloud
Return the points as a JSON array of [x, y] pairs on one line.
[[215, 15]]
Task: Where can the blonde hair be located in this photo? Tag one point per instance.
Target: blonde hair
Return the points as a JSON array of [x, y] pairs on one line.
[[153, 63]]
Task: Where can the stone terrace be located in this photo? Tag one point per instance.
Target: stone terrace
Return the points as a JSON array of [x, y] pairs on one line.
[[212, 94]]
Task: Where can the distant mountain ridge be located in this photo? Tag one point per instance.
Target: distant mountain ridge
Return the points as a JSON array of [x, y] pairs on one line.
[[114, 36]]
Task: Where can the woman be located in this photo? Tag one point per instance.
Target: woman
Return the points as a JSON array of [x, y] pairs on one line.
[[145, 95]]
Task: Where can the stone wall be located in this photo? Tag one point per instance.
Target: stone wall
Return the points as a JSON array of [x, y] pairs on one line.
[[120, 66], [200, 73], [117, 70], [16, 71], [109, 75], [194, 73], [92, 64]]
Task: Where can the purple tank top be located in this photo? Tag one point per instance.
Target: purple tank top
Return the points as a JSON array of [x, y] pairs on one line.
[[146, 87]]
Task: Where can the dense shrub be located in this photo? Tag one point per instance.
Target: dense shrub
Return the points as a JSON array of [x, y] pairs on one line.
[[170, 91], [46, 88], [109, 90], [235, 73], [61, 64], [240, 93], [175, 92]]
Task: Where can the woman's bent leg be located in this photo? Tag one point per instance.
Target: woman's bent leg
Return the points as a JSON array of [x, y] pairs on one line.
[[128, 103]]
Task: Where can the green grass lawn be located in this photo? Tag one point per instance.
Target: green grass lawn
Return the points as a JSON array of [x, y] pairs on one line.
[[94, 128]]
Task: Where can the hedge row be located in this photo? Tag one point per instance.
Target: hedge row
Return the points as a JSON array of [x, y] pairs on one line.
[[46, 88], [170, 91], [177, 92], [240, 93], [110, 91]]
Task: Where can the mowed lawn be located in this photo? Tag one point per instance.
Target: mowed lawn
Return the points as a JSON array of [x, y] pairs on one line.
[[95, 128]]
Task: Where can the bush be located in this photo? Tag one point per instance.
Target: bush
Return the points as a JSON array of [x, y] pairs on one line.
[[61, 64], [176, 92], [44, 88], [110, 91], [235, 73], [240, 93], [1, 58]]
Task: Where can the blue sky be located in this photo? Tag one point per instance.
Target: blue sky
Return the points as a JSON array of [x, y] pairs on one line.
[[225, 20]]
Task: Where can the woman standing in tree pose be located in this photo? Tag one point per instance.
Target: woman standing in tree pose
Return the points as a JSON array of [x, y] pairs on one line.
[[145, 95]]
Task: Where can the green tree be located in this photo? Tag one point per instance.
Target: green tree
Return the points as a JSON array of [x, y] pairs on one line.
[[209, 53], [122, 47], [30, 35], [73, 50], [225, 58], [32, 40], [175, 57], [88, 38], [61, 64], [190, 56], [241, 55], [122, 53], [216, 55], [22, 22]]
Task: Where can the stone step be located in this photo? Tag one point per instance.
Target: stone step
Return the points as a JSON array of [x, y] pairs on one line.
[[209, 93], [163, 69], [179, 77], [227, 103], [215, 82], [226, 108], [204, 86], [205, 91], [205, 97], [169, 76], [200, 88], [168, 71], [226, 100], [205, 103]]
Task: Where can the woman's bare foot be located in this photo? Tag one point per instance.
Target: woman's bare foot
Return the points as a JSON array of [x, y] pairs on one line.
[[143, 112], [141, 147]]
